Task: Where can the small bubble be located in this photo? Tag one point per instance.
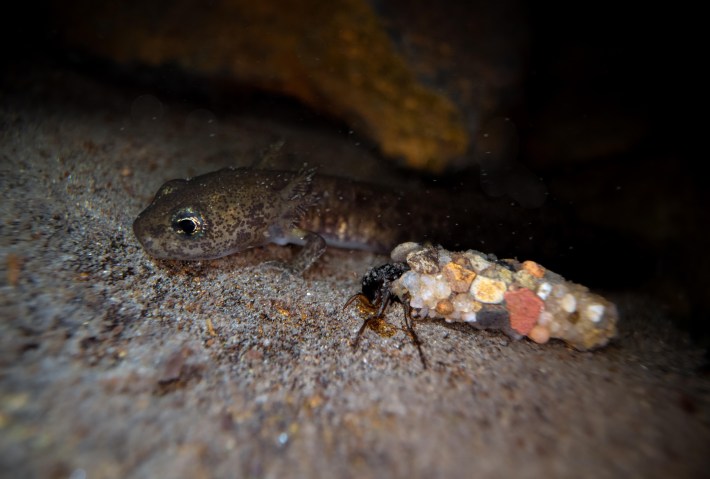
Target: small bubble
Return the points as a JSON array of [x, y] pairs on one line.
[[283, 438], [201, 119], [146, 107]]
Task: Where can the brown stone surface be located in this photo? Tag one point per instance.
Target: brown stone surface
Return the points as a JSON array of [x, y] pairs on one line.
[[333, 56]]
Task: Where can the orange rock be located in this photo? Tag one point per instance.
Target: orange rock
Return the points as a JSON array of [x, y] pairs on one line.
[[459, 278], [334, 56]]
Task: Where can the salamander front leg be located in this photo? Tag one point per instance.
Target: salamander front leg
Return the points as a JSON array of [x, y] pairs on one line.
[[313, 248]]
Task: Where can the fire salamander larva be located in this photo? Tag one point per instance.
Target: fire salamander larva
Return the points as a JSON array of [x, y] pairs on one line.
[[233, 209]]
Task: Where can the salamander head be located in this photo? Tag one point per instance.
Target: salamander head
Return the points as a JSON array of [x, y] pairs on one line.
[[172, 228], [191, 220]]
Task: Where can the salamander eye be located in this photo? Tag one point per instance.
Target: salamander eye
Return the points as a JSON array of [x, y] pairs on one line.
[[188, 223]]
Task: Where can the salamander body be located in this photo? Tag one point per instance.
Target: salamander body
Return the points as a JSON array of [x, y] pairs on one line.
[[233, 209]]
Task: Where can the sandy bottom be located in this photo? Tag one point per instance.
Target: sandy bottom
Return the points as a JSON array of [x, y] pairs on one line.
[[116, 365]]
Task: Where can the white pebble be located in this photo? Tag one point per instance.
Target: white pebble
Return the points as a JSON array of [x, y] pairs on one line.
[[569, 303], [464, 303], [440, 288], [410, 280], [416, 302], [426, 289], [595, 312], [544, 290], [479, 264], [401, 251], [444, 258]]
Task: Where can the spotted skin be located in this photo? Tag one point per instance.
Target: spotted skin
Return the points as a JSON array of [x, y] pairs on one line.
[[233, 209]]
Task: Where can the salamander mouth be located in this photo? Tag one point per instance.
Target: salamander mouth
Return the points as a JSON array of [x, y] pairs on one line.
[[148, 235], [142, 234]]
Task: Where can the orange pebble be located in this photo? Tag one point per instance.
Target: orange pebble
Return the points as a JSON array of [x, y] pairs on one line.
[[539, 334], [444, 307], [534, 269]]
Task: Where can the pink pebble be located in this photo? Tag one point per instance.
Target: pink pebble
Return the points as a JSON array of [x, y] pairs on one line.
[[524, 307]]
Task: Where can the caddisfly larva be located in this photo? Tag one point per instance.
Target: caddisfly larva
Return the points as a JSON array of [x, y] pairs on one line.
[[520, 299]]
